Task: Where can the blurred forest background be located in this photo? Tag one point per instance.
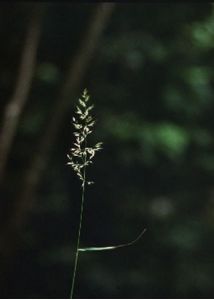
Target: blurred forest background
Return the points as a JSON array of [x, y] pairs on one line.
[[149, 69]]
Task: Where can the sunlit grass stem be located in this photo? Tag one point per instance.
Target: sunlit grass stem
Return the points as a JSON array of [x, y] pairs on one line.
[[79, 235], [79, 158]]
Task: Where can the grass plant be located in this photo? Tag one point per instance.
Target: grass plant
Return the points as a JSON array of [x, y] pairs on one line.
[[80, 157]]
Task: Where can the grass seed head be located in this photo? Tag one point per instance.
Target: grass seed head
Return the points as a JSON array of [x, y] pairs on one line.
[[80, 154]]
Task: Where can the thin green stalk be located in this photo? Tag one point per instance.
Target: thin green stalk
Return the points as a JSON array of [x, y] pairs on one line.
[[79, 234], [80, 157]]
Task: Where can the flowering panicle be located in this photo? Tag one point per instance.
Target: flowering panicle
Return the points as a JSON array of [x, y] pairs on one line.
[[80, 154]]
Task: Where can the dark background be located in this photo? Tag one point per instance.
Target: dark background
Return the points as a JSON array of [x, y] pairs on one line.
[[150, 73]]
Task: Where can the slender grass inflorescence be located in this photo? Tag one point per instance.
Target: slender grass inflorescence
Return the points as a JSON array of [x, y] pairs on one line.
[[81, 156]]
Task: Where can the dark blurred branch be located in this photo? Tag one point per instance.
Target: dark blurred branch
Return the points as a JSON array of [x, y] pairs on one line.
[[76, 71], [16, 104]]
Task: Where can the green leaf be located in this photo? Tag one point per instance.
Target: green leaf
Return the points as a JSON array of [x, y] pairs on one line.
[[113, 247]]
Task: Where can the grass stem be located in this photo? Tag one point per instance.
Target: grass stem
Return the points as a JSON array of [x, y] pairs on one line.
[[79, 235]]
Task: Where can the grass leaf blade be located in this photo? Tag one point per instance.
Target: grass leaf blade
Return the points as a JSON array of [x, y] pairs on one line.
[[113, 247]]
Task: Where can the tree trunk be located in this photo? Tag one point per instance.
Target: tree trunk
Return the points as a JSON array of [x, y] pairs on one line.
[[16, 104]]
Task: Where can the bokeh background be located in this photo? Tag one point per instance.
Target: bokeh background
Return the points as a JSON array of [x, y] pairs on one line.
[[149, 69]]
